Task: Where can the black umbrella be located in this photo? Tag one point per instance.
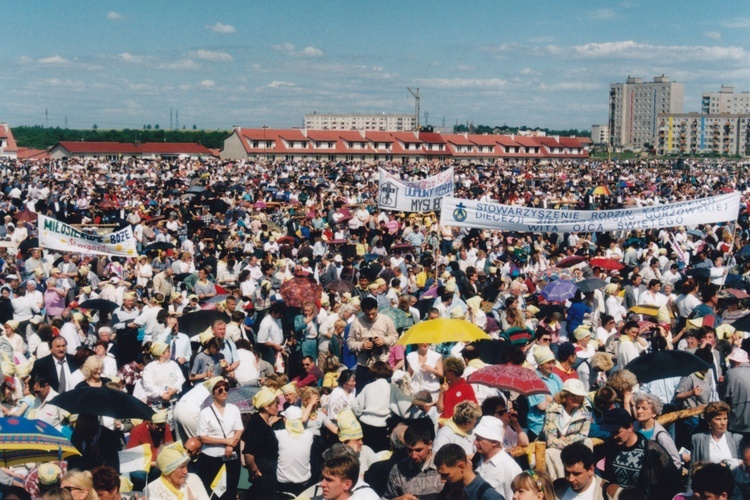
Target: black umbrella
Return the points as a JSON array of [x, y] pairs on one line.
[[99, 305], [197, 190], [743, 253], [159, 245], [196, 322], [549, 309], [103, 402], [665, 364], [742, 324], [29, 243], [591, 284], [700, 272], [340, 286]]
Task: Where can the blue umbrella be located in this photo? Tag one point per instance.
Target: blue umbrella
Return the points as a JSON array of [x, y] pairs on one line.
[[744, 252], [559, 291]]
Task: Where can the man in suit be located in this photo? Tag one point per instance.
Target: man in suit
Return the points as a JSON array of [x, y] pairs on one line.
[[634, 290], [57, 367], [327, 271]]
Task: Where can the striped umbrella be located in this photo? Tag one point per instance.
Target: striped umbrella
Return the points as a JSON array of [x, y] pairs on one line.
[[23, 441]]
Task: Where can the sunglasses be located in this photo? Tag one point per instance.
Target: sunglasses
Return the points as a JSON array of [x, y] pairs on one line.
[[220, 390]]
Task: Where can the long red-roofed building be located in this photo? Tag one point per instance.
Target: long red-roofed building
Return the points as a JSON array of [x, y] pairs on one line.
[[119, 150], [403, 147]]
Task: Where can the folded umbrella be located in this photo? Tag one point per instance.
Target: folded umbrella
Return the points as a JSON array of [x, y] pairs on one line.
[[571, 261], [509, 378], [665, 364]]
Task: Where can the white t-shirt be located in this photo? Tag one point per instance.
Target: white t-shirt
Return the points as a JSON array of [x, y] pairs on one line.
[[294, 456], [499, 471]]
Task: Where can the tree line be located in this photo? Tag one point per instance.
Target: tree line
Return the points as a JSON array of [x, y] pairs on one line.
[[506, 130], [39, 137]]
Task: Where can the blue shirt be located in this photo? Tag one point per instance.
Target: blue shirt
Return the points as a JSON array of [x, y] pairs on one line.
[[536, 416]]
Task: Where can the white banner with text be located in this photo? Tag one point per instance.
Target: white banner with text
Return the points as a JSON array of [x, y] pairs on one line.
[[60, 236], [483, 215], [418, 196]]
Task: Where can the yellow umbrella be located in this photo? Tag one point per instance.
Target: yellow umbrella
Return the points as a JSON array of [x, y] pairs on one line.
[[648, 310], [439, 330], [602, 190]]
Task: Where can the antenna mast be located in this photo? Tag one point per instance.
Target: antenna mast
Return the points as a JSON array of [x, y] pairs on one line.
[[416, 103]]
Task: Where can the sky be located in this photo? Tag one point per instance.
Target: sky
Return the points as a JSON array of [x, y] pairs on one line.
[[125, 64]]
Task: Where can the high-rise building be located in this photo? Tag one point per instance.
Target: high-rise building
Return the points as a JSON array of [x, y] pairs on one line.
[[698, 133], [600, 134], [378, 122], [634, 106], [726, 101]]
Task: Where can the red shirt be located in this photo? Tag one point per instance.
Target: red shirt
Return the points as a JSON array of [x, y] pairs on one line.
[[460, 391], [558, 370], [140, 434]]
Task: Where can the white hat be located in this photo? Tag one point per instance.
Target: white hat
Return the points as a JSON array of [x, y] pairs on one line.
[[575, 387], [292, 412], [491, 428], [738, 356], [338, 258]]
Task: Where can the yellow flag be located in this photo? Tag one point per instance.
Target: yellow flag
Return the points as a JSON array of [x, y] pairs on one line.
[[219, 484]]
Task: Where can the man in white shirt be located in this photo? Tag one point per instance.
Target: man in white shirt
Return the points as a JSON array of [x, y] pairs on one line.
[[69, 331], [495, 465], [42, 410]]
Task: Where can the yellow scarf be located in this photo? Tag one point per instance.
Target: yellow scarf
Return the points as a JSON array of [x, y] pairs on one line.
[[477, 363], [171, 488]]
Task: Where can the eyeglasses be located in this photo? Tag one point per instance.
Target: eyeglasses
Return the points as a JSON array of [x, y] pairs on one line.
[[220, 390]]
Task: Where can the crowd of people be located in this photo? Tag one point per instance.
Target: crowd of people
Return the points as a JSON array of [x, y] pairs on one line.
[[262, 315]]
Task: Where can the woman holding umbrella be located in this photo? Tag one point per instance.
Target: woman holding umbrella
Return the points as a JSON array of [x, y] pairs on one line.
[[219, 430]]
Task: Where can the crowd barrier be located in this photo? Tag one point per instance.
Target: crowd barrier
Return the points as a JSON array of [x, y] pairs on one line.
[[536, 452]]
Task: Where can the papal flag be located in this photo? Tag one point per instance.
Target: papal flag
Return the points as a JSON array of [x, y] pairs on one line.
[[219, 484], [135, 459]]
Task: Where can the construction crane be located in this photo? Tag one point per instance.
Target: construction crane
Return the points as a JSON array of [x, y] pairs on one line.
[[416, 103]]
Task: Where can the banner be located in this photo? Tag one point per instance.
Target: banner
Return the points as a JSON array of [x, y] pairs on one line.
[[479, 214], [60, 236], [420, 196]]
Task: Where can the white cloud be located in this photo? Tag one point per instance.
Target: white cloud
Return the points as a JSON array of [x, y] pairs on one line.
[[602, 15], [276, 84], [130, 58], [207, 84], [740, 22], [210, 55], [224, 29], [290, 49], [311, 52], [115, 16], [184, 64], [568, 86], [715, 35], [642, 51], [528, 71], [53, 60], [464, 83], [466, 67]]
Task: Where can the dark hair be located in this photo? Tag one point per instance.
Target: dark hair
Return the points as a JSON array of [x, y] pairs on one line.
[[368, 304], [276, 308], [105, 478], [704, 353], [708, 293], [381, 369], [244, 344], [420, 431], [713, 478], [470, 352], [653, 283], [345, 376], [490, 404], [629, 325], [162, 315], [450, 455], [577, 452]]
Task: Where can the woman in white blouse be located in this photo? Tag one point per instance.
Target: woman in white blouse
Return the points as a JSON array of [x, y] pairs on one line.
[[162, 378], [220, 429], [426, 369], [342, 397]]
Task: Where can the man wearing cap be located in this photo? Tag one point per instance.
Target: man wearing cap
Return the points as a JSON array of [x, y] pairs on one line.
[[295, 443], [538, 403], [370, 337], [632, 461], [494, 464], [737, 391]]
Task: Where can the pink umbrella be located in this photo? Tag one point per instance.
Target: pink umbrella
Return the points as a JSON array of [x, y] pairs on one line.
[[510, 378]]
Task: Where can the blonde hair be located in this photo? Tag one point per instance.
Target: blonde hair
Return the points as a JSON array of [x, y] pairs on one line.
[[91, 364], [466, 412], [82, 480], [622, 381], [275, 381], [530, 480]]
